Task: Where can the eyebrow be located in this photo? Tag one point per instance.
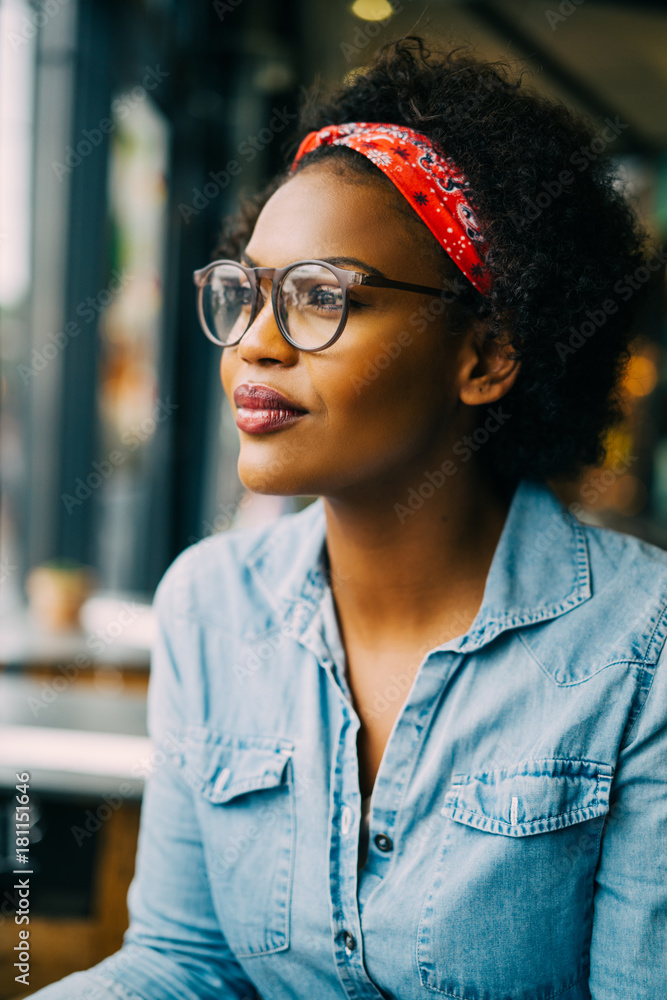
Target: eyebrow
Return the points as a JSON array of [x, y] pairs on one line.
[[336, 261]]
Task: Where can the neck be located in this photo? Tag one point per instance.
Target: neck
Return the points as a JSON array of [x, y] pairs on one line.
[[397, 576]]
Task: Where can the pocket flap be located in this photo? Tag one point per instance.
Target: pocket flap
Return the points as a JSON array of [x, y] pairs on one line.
[[222, 766], [534, 796]]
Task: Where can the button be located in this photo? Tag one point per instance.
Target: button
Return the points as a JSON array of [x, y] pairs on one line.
[[221, 780], [346, 820], [350, 943], [383, 843]]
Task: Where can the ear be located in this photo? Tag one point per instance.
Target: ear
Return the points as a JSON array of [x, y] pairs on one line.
[[487, 370]]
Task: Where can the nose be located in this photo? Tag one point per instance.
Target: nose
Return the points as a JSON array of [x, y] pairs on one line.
[[263, 339]]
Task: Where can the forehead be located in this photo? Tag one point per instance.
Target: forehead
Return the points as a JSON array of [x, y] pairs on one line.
[[323, 212]]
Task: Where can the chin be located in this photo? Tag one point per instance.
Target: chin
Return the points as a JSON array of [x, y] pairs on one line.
[[264, 480], [284, 469]]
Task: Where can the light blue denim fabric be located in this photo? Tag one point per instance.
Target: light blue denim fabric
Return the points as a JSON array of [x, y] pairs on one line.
[[523, 788]]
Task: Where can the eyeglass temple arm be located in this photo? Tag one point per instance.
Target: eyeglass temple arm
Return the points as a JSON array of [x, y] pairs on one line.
[[406, 286], [363, 279]]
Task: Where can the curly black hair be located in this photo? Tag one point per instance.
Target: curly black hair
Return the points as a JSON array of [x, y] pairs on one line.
[[562, 237]]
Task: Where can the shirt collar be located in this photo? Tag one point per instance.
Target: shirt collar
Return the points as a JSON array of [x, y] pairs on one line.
[[540, 568]]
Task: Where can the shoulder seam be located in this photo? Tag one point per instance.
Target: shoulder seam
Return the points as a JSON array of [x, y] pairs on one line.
[[646, 678]]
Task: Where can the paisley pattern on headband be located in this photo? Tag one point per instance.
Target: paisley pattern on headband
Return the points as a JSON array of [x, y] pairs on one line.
[[438, 192]]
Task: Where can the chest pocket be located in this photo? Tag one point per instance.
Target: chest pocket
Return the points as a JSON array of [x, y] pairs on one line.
[[509, 905], [245, 799]]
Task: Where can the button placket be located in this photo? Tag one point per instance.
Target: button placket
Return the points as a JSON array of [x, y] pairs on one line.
[[344, 818]]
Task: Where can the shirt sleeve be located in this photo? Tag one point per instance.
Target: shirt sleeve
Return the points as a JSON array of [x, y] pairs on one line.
[[629, 938], [174, 948]]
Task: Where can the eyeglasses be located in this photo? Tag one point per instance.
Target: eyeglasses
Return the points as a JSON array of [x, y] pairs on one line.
[[310, 299]]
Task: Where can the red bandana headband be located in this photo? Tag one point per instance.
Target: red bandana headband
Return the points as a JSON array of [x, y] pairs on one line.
[[431, 183]]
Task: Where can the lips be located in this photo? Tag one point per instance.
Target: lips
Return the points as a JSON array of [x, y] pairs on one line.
[[261, 397], [262, 409]]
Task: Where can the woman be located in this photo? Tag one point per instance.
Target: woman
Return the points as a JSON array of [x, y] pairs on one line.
[[411, 739]]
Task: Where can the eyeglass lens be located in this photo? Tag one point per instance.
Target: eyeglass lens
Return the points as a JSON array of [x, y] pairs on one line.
[[309, 302]]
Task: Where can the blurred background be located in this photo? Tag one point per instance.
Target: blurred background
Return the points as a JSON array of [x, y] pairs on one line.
[[127, 131]]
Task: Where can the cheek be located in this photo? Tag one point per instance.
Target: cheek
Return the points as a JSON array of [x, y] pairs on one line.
[[391, 389], [391, 381]]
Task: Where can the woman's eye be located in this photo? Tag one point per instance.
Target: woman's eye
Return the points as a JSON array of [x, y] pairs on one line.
[[233, 296], [322, 299], [326, 298]]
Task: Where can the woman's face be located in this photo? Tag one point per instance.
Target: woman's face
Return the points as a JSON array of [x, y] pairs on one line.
[[382, 402]]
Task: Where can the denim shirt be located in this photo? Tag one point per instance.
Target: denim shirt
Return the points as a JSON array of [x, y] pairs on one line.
[[518, 822]]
